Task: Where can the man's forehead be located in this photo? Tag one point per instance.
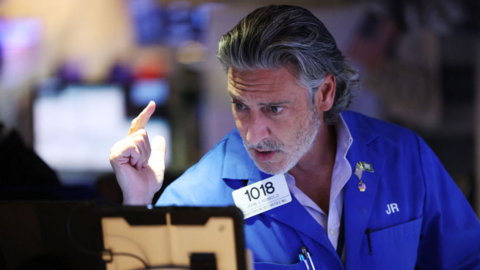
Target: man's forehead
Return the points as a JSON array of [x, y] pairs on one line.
[[262, 100], [264, 87], [260, 74], [255, 74], [260, 79]]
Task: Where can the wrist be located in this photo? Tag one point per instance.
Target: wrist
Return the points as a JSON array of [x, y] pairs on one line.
[[136, 200]]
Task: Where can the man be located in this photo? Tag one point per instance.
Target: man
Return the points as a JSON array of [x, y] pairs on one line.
[[365, 194]]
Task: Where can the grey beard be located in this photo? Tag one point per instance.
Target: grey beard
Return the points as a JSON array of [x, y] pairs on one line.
[[304, 140]]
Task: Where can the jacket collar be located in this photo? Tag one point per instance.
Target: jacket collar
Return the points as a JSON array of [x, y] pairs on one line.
[[238, 165], [358, 205]]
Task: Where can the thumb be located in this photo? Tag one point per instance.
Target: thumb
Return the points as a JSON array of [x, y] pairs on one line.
[[157, 156], [158, 144]]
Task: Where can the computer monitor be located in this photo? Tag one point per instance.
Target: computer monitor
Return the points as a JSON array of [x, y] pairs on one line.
[[76, 126], [85, 235], [176, 237]]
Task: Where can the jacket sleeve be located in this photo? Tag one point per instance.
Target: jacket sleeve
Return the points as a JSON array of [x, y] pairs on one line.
[[176, 194], [450, 236]]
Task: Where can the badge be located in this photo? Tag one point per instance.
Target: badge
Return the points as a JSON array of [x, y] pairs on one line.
[[262, 196], [359, 169], [362, 186]]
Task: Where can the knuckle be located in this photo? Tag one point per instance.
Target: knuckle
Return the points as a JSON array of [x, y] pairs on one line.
[[137, 140], [114, 150], [134, 122], [138, 133], [114, 156]]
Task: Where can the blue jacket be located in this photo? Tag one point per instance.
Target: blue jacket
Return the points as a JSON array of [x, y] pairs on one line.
[[431, 227]]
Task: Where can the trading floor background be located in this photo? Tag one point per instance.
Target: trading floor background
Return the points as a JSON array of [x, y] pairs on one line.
[[74, 74]]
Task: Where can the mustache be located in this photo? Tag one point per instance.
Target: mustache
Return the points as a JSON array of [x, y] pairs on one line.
[[265, 145]]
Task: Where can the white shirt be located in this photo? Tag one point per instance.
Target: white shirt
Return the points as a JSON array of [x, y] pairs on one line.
[[341, 173]]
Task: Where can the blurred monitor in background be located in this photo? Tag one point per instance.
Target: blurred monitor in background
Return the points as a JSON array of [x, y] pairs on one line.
[[76, 125], [141, 92], [170, 24]]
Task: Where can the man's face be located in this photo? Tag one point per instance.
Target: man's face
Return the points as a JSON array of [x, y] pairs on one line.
[[273, 116]]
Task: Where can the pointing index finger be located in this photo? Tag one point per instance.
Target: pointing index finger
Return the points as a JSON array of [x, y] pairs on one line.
[[142, 118]]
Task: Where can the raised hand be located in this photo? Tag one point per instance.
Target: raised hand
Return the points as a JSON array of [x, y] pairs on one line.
[[139, 167]]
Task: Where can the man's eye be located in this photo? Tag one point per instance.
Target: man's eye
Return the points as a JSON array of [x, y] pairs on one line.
[[239, 106], [276, 109]]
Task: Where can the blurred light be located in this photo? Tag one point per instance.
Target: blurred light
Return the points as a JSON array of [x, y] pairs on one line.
[[18, 34], [201, 14], [144, 91], [20, 39], [191, 52], [179, 11], [180, 26], [148, 20]]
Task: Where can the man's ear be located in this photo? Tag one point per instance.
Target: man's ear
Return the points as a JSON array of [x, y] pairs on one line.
[[325, 95]]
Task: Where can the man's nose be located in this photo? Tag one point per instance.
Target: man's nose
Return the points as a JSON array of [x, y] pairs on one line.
[[257, 129]]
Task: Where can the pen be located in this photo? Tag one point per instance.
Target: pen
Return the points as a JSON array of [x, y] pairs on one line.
[[309, 257], [302, 259]]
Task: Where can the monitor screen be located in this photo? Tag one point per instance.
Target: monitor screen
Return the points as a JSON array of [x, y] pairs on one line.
[[74, 128]]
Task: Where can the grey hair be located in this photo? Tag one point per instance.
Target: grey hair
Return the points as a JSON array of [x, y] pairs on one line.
[[274, 36]]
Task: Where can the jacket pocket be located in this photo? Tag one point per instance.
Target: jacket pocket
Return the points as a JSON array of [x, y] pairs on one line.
[[276, 266], [392, 248]]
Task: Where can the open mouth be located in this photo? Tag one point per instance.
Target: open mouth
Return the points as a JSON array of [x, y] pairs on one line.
[[264, 155]]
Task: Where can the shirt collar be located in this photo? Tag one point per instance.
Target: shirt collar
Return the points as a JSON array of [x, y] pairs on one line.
[[344, 137], [344, 141]]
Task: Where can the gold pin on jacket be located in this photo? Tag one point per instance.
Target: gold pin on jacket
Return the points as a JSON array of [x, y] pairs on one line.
[[359, 169]]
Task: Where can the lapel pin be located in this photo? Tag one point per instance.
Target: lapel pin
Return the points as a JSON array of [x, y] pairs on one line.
[[362, 186], [359, 169]]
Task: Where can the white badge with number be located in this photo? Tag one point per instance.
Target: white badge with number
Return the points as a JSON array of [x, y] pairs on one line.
[[262, 195]]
